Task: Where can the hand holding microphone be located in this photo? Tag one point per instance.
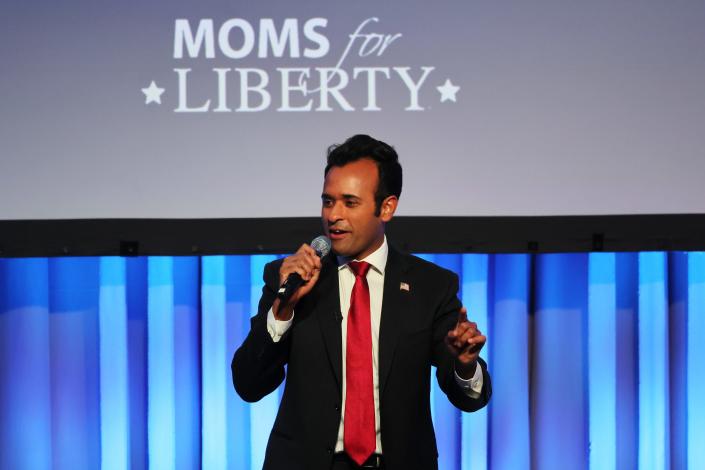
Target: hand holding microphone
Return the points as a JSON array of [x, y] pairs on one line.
[[298, 274]]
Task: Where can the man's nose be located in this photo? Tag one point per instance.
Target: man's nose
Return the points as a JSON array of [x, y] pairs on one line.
[[335, 213]]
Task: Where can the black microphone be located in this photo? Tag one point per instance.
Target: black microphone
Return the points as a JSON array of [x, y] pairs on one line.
[[321, 245]]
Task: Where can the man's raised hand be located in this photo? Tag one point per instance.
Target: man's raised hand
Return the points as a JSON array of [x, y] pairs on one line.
[[465, 342]]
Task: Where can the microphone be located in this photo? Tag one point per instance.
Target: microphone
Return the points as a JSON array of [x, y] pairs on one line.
[[321, 245]]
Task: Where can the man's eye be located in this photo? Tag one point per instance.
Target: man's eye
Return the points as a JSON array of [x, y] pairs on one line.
[[327, 203], [351, 203]]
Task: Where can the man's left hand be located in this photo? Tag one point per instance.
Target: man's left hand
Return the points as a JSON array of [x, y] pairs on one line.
[[465, 342]]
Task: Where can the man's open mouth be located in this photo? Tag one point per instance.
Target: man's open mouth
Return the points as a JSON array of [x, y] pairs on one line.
[[336, 233]]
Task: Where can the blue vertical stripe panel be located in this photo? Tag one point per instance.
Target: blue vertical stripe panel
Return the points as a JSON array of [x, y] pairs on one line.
[[474, 292], [447, 417], [559, 401], [213, 356], [627, 359], [653, 362], [75, 376], [160, 364], [238, 309], [509, 362], [602, 365], [677, 291], [187, 364], [136, 300], [25, 386], [114, 397], [262, 413], [696, 360], [124, 362]]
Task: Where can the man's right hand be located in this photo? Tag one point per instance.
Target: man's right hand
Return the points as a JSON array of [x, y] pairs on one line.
[[308, 265]]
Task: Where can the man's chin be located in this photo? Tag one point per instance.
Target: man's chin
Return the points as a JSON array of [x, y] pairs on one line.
[[341, 248]]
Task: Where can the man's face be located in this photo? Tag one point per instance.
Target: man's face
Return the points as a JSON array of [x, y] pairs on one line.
[[348, 209]]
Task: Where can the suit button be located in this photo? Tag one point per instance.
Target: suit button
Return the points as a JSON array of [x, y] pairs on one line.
[[329, 450], [337, 407]]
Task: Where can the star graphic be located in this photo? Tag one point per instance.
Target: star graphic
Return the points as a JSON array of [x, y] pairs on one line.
[[153, 94], [448, 91]]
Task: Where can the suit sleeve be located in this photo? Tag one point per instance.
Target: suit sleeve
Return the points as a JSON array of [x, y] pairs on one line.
[[445, 320], [258, 364]]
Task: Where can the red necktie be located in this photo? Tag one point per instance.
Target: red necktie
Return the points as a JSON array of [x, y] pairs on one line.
[[359, 436]]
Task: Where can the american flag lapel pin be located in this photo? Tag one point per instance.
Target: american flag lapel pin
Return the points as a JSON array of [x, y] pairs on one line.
[[404, 286]]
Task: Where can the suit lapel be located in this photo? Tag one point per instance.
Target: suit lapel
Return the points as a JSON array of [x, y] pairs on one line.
[[391, 323], [328, 314]]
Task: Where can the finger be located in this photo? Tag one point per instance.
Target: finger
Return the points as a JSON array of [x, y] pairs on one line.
[[459, 331], [308, 264], [475, 343], [312, 256], [462, 327], [310, 283], [309, 254], [453, 336], [300, 268], [290, 263], [462, 315], [314, 276], [306, 249], [285, 269], [459, 342], [474, 329], [463, 330], [304, 262], [469, 333], [450, 341]]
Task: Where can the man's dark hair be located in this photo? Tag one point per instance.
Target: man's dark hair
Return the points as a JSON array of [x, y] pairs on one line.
[[362, 146]]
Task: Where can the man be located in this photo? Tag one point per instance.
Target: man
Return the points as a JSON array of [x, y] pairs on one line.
[[360, 336]]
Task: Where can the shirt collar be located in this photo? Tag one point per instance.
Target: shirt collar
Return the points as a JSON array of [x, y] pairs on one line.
[[377, 259]]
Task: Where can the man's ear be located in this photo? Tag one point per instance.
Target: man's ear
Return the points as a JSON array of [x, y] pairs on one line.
[[388, 207]]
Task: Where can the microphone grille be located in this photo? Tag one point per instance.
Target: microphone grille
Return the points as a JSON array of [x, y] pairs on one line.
[[321, 244]]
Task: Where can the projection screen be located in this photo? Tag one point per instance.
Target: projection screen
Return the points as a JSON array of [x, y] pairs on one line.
[[225, 109]]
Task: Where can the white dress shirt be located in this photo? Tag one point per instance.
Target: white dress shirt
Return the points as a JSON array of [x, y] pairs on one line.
[[375, 280]]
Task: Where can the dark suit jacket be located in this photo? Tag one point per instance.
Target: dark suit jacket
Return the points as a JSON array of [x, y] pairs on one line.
[[413, 325]]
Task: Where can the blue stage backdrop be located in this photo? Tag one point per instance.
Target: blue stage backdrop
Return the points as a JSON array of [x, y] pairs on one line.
[[598, 361]]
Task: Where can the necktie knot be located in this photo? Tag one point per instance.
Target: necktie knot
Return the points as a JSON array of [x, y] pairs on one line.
[[359, 268]]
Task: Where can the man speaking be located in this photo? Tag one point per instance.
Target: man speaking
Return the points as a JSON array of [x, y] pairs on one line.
[[360, 335]]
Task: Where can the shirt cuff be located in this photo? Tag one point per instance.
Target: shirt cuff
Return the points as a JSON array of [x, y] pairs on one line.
[[473, 386], [277, 328]]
